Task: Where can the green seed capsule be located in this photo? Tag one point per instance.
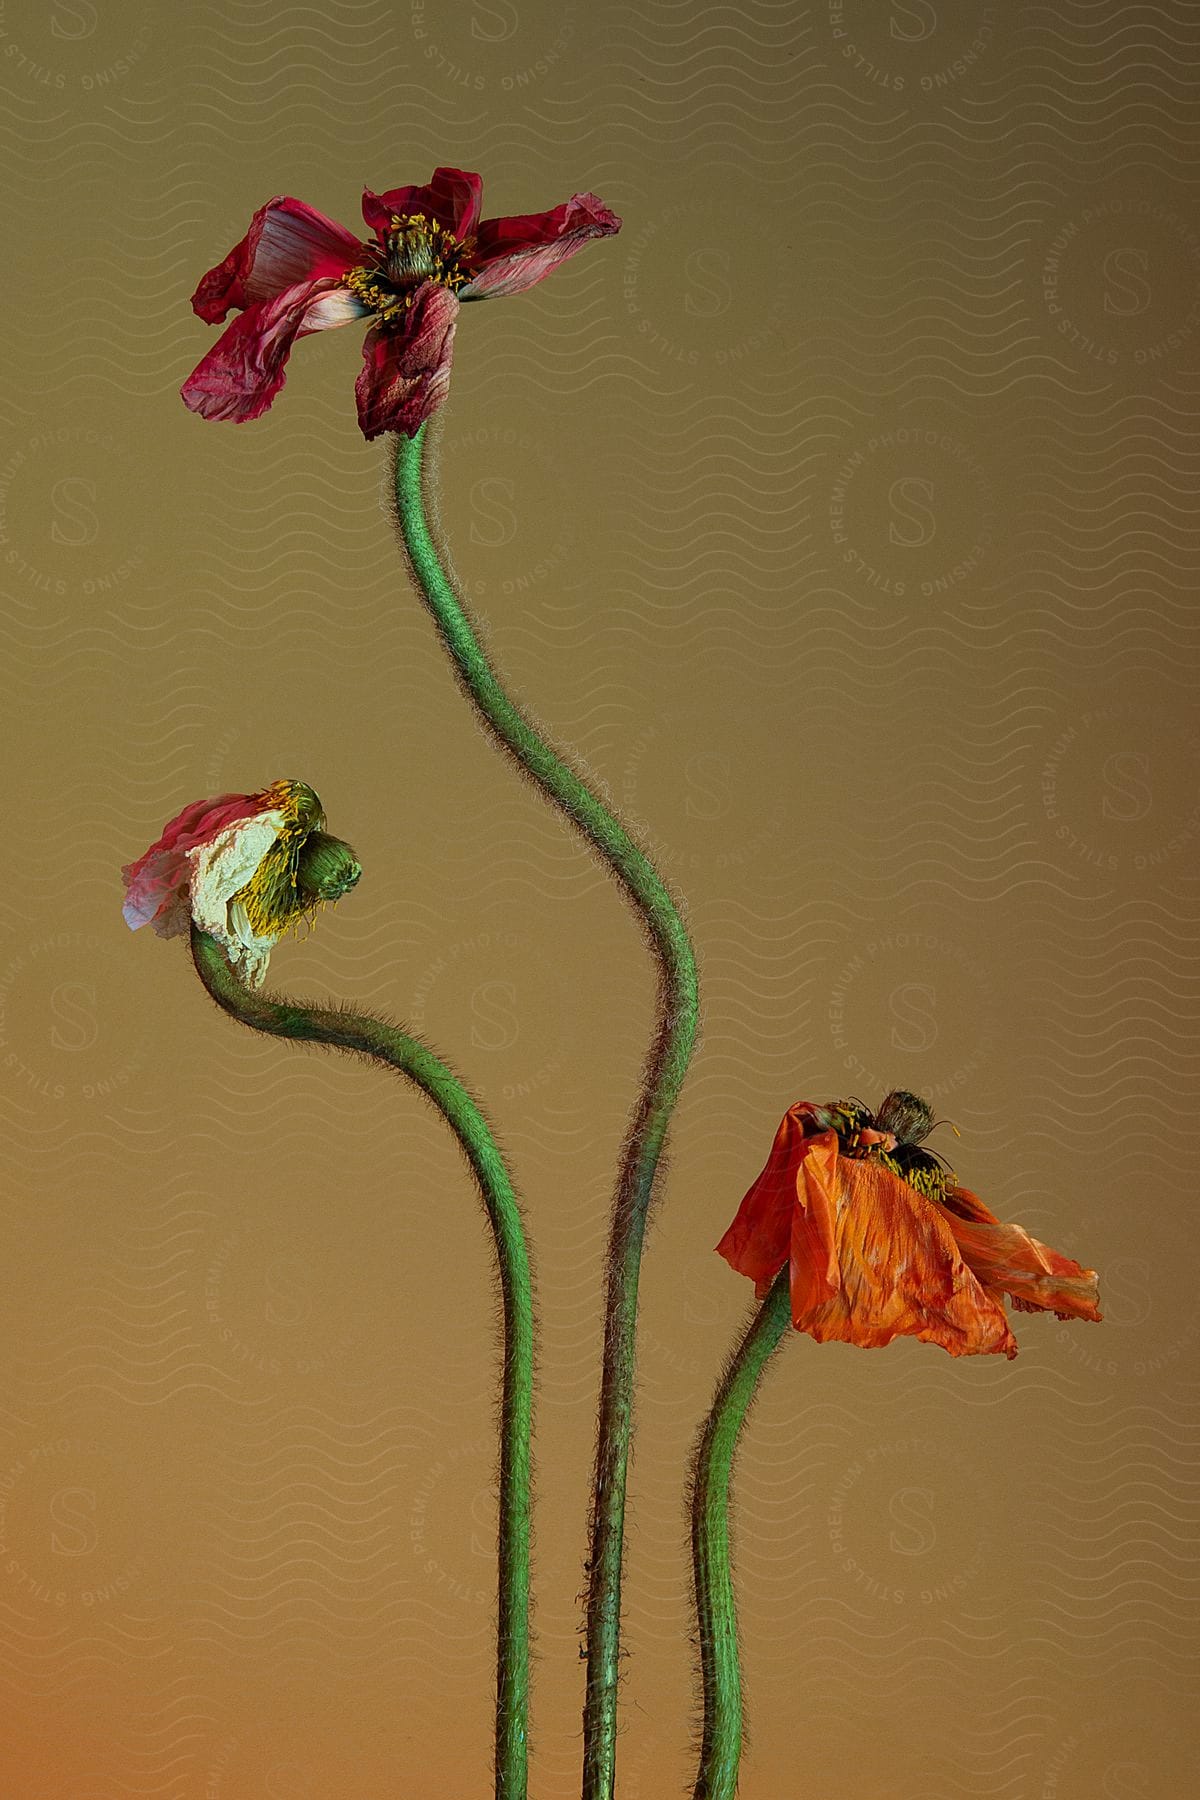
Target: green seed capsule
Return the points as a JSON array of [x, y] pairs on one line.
[[326, 868]]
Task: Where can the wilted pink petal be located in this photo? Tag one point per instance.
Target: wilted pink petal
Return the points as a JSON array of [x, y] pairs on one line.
[[452, 197], [512, 254], [287, 243], [157, 883], [406, 370], [244, 370]]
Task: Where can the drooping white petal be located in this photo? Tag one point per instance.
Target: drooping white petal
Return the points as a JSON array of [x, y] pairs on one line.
[[249, 953], [222, 868]]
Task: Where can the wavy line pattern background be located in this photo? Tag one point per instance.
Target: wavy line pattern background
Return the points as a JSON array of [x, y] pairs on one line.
[[840, 514]]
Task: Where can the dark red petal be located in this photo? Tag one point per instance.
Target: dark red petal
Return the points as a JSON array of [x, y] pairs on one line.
[[156, 884], [512, 254], [244, 370], [288, 242], [452, 197], [406, 366]]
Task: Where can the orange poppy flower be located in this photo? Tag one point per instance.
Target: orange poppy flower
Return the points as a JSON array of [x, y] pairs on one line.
[[883, 1243]]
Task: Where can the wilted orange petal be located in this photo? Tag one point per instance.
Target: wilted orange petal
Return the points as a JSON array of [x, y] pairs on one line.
[[789, 1213], [1007, 1260], [815, 1275], [967, 1205], [901, 1273], [756, 1244]]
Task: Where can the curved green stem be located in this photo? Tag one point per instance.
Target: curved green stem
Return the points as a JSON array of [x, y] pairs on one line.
[[716, 1607], [666, 1066], [364, 1035]]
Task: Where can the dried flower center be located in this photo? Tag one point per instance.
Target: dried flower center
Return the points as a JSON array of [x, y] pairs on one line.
[[271, 898], [416, 249], [906, 1115], [849, 1118], [922, 1169]]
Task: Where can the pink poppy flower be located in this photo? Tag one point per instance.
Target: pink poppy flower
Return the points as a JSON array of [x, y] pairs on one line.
[[296, 272], [881, 1242], [244, 868]]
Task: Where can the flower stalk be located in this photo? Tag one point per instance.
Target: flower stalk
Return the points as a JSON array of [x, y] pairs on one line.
[[362, 1034], [666, 1067], [716, 1605]]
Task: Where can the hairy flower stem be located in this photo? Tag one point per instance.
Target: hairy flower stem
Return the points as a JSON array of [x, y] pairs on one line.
[[666, 1066], [716, 1607], [362, 1034]]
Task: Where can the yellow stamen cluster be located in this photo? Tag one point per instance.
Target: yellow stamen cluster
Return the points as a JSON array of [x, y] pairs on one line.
[[421, 246], [385, 303], [928, 1177], [418, 249]]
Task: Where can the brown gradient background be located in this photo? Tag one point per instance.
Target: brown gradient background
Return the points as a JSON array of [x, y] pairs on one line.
[[840, 515]]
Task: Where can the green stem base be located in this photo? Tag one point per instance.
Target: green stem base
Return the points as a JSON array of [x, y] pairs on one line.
[[361, 1034], [716, 1607]]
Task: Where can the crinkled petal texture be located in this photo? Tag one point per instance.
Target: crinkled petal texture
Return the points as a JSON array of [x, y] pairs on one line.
[[158, 884], [783, 1214], [512, 254], [203, 860], [870, 1259], [451, 196], [406, 366], [758, 1242], [221, 868], [244, 370], [900, 1271], [1006, 1260], [287, 243]]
